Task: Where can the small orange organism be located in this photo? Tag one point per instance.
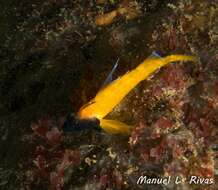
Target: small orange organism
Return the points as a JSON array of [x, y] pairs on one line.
[[128, 8]]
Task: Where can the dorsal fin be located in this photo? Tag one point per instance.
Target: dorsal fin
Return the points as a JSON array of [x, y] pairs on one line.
[[155, 54], [109, 78]]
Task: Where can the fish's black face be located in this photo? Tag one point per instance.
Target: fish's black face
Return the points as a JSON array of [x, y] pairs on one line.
[[73, 124]]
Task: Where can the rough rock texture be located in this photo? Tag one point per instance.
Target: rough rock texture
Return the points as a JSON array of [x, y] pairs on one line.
[[54, 56]]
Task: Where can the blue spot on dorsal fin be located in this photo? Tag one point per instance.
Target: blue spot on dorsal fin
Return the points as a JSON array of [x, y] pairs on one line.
[[155, 54]]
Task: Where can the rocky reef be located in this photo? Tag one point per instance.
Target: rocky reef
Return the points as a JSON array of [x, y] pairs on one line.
[[55, 55]]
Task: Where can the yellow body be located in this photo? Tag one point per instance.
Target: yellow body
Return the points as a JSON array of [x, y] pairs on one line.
[[107, 98]]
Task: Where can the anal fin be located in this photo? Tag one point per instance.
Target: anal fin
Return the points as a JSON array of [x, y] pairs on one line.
[[115, 127]]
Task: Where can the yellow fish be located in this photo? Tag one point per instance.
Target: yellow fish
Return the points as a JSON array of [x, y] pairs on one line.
[[111, 95]]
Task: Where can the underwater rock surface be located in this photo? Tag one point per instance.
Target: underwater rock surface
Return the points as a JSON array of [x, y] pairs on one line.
[[55, 55]]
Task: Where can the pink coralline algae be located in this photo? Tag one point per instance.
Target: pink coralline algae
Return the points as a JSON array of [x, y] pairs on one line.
[[112, 178], [175, 39], [161, 126], [50, 160], [173, 83], [136, 133], [68, 159], [53, 136], [47, 131], [41, 164]]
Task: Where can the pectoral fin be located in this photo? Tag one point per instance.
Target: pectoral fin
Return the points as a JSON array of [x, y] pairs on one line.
[[115, 127]]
